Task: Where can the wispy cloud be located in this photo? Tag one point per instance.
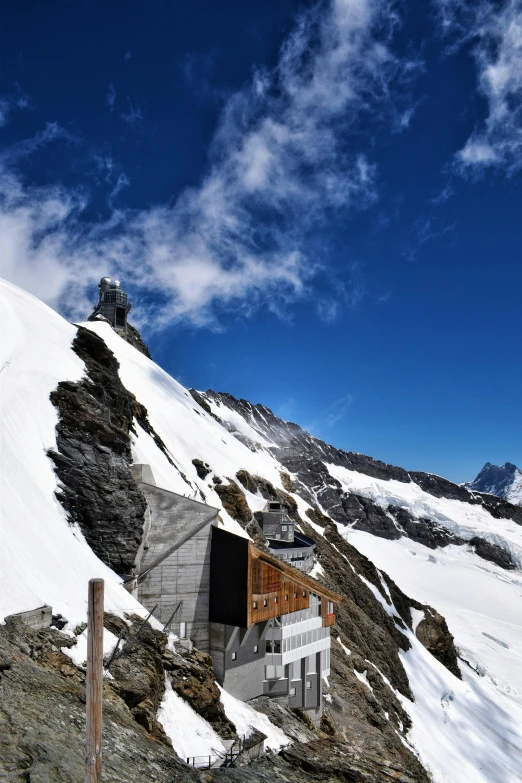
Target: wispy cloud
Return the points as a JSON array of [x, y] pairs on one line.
[[16, 99], [426, 229], [110, 97], [286, 153], [495, 32], [134, 114]]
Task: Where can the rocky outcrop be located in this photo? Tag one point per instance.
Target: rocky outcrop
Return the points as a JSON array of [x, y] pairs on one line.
[[234, 502], [42, 719], [192, 676], [93, 455], [134, 338], [202, 468]]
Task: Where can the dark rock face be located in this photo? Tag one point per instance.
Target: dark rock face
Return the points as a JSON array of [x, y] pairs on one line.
[[234, 502], [139, 674], [497, 480], [492, 552], [202, 468], [134, 338], [94, 455], [42, 719], [192, 676]]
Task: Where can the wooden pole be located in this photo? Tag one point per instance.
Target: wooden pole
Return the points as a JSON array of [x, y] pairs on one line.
[[94, 683]]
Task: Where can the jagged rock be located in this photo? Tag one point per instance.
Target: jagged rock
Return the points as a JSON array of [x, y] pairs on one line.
[[492, 552], [139, 676], [234, 502], [202, 468], [433, 633], [192, 677], [42, 720], [93, 456], [134, 338]]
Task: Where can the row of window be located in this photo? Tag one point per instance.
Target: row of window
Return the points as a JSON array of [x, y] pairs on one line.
[[276, 599]]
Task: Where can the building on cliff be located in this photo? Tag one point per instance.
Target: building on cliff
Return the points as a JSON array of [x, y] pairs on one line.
[[284, 542], [113, 304], [265, 623]]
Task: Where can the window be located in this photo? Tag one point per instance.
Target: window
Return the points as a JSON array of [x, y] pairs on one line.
[[286, 597], [265, 602], [292, 691], [308, 685], [269, 648], [234, 656], [183, 630], [284, 528], [330, 607], [276, 599], [295, 595], [255, 604], [304, 593], [256, 648]]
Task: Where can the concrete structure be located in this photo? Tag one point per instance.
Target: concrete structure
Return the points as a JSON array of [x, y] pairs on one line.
[[173, 562], [284, 542], [265, 623], [113, 304], [41, 617]]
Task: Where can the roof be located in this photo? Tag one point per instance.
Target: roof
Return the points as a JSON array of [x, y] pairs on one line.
[[297, 576], [300, 541], [174, 520]]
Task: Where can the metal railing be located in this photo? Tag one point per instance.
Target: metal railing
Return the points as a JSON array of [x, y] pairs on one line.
[[219, 759]]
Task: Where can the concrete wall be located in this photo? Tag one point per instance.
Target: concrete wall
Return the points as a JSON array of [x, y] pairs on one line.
[[183, 576], [37, 618], [242, 677]]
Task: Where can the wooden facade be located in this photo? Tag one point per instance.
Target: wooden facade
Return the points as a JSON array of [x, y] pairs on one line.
[[276, 588], [249, 586]]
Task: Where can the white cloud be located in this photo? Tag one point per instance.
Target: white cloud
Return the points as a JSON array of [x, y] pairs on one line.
[[110, 97], [495, 30], [283, 156]]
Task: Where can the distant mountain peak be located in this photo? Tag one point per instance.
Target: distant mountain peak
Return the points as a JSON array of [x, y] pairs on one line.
[[504, 481]]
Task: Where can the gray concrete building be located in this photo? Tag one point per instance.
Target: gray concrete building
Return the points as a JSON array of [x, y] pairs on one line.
[[265, 623], [113, 304]]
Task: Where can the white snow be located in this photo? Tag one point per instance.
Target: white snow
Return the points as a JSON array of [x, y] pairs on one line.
[[189, 733], [43, 560], [463, 519], [363, 677], [471, 730], [245, 718]]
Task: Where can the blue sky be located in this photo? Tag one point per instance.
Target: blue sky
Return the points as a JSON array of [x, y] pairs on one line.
[[316, 206]]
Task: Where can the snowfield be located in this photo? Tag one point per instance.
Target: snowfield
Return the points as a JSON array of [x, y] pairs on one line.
[[462, 519], [466, 731]]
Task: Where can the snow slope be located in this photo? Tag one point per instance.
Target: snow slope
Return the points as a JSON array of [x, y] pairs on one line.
[[471, 730], [43, 560]]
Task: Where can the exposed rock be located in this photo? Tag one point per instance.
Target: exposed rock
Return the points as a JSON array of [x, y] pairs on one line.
[[202, 468], [234, 502], [192, 676], [492, 552], [42, 719], [139, 675], [134, 338], [93, 456], [433, 633]]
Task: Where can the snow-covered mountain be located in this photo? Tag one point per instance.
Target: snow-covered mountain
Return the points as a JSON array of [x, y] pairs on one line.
[[505, 481], [444, 546]]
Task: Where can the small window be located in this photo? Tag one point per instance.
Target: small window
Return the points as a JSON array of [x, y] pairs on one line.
[[276, 600], [234, 656], [295, 595], [292, 691], [255, 604], [284, 528], [304, 593], [183, 630], [256, 648], [265, 602], [286, 597], [308, 685]]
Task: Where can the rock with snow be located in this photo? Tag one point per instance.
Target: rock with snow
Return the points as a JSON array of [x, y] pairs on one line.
[[504, 481]]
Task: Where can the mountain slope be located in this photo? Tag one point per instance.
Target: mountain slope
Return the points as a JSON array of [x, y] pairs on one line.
[[504, 481], [388, 648]]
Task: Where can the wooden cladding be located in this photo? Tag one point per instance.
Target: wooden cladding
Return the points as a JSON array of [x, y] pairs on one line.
[[329, 620], [265, 578]]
